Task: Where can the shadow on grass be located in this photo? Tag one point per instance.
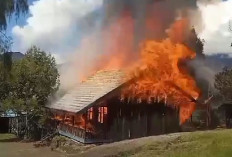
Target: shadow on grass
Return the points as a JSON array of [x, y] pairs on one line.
[[10, 140]]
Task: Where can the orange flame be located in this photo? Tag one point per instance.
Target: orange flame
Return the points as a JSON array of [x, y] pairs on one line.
[[160, 68], [161, 63], [118, 44]]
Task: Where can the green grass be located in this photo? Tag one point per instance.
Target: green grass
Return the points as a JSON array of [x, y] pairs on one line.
[[7, 136], [197, 144]]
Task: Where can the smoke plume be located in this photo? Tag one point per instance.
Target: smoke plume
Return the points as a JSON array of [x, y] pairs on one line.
[[85, 33], [121, 26]]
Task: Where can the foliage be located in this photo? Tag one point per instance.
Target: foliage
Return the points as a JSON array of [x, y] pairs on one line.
[[5, 64], [35, 76], [195, 43], [8, 7], [7, 137], [5, 75], [223, 82], [32, 81], [18, 104]]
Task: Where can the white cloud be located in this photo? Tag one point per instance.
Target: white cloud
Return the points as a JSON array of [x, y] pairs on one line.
[[58, 58], [53, 25], [216, 32]]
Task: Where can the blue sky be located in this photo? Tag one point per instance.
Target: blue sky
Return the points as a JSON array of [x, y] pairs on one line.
[[21, 21]]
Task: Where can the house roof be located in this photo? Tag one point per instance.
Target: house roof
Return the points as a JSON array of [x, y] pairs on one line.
[[8, 114], [89, 91]]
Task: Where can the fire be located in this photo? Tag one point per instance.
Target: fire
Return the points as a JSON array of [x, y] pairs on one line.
[[78, 121], [160, 74], [118, 44], [158, 68]]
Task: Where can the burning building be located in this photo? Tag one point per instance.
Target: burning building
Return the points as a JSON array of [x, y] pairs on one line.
[[96, 112], [153, 95], [143, 83]]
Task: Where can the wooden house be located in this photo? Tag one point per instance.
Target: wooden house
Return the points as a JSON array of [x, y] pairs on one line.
[[93, 112]]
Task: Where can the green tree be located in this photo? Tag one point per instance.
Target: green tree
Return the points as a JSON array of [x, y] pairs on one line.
[[195, 43], [36, 76], [35, 79], [5, 79], [5, 75], [223, 83]]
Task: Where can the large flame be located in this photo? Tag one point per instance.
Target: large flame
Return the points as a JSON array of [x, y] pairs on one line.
[[159, 71], [158, 74]]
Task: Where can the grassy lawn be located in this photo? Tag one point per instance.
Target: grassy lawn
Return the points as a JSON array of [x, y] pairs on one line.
[[197, 144], [7, 137]]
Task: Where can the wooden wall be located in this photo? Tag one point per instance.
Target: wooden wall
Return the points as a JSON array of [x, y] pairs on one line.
[[4, 125], [125, 121], [132, 120]]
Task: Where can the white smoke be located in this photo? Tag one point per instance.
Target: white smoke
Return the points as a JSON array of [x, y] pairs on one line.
[[53, 25], [56, 26], [215, 32], [80, 63]]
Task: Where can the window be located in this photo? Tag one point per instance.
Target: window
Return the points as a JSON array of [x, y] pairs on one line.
[[90, 113], [102, 111], [68, 119], [105, 110]]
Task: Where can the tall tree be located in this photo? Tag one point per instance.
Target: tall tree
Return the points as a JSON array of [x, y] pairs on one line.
[[223, 82], [7, 8], [35, 76], [35, 79]]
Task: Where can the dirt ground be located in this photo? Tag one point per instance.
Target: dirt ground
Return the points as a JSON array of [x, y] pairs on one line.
[[10, 147]]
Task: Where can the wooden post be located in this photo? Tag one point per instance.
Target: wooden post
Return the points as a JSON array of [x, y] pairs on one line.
[[17, 126], [207, 116], [146, 122], [72, 120], [208, 108], [123, 127], [9, 125], [85, 115]]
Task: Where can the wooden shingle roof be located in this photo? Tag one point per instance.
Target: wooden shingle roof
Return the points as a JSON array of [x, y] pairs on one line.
[[89, 91]]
